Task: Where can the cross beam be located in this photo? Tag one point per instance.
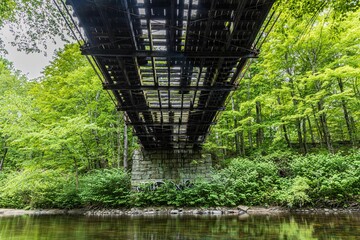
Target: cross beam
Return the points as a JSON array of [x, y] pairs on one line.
[[167, 54]]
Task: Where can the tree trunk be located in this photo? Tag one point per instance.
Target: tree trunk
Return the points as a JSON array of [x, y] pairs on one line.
[[76, 174], [236, 137], [250, 138], [322, 139], [311, 132], [298, 120], [88, 155], [299, 133], [119, 142], [354, 128], [304, 143], [324, 126], [242, 143], [4, 156], [346, 114], [260, 130], [3, 159], [249, 132], [286, 136], [125, 145], [223, 143]]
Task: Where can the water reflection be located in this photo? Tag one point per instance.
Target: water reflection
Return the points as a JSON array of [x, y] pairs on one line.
[[181, 227]]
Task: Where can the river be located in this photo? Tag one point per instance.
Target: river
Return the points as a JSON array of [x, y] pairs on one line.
[[283, 226]]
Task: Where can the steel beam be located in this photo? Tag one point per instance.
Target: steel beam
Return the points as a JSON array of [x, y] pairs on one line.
[[171, 88], [171, 124], [165, 54], [169, 109]]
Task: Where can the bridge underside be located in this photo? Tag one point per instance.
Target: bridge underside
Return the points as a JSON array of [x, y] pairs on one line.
[[171, 64]]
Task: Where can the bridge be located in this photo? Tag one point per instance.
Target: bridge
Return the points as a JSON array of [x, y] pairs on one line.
[[171, 64]]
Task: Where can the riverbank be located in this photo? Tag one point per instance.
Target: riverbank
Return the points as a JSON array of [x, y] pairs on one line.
[[323, 181], [240, 210]]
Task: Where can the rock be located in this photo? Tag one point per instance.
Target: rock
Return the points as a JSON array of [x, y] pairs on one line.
[[149, 212], [76, 211], [205, 212], [174, 211], [135, 211], [196, 212], [232, 211], [16, 212], [50, 212], [216, 212], [244, 216], [243, 208]]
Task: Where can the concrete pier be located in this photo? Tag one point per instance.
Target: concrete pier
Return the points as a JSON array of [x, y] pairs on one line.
[[152, 166]]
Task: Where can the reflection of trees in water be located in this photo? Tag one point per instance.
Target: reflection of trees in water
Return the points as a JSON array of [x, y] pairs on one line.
[[335, 226], [294, 230], [182, 227]]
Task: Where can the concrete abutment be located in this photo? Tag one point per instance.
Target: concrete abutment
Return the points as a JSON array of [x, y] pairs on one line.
[[154, 166]]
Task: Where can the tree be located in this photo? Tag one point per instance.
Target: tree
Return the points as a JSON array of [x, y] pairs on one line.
[[300, 8], [64, 120], [304, 88], [34, 24]]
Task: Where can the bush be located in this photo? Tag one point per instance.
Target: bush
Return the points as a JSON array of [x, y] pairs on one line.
[[252, 181], [318, 180], [205, 193], [158, 194], [35, 189], [68, 195], [294, 192], [333, 179], [106, 187]]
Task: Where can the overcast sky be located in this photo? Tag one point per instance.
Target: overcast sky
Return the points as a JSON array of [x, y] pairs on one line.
[[29, 64]]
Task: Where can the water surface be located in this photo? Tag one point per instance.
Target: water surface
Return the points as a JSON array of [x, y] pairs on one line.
[[285, 226]]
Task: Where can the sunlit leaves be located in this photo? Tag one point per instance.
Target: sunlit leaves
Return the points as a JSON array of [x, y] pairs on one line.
[[296, 82]]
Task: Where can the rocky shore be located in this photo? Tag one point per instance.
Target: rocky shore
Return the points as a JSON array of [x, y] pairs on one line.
[[240, 210]]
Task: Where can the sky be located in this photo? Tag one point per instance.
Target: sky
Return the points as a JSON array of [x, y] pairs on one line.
[[31, 64]]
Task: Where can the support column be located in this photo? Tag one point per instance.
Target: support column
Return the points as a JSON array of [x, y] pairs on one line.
[[152, 166]]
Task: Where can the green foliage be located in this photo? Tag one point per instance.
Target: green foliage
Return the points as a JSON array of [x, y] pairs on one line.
[[51, 189], [37, 189], [34, 24], [302, 93], [149, 194], [200, 193], [107, 187], [294, 193], [321, 180], [251, 180], [313, 7], [6, 9], [333, 179], [65, 120]]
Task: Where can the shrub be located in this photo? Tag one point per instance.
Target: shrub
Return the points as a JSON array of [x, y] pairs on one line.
[[207, 193], [34, 189], [106, 187], [294, 192], [252, 181], [320, 180], [333, 179]]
